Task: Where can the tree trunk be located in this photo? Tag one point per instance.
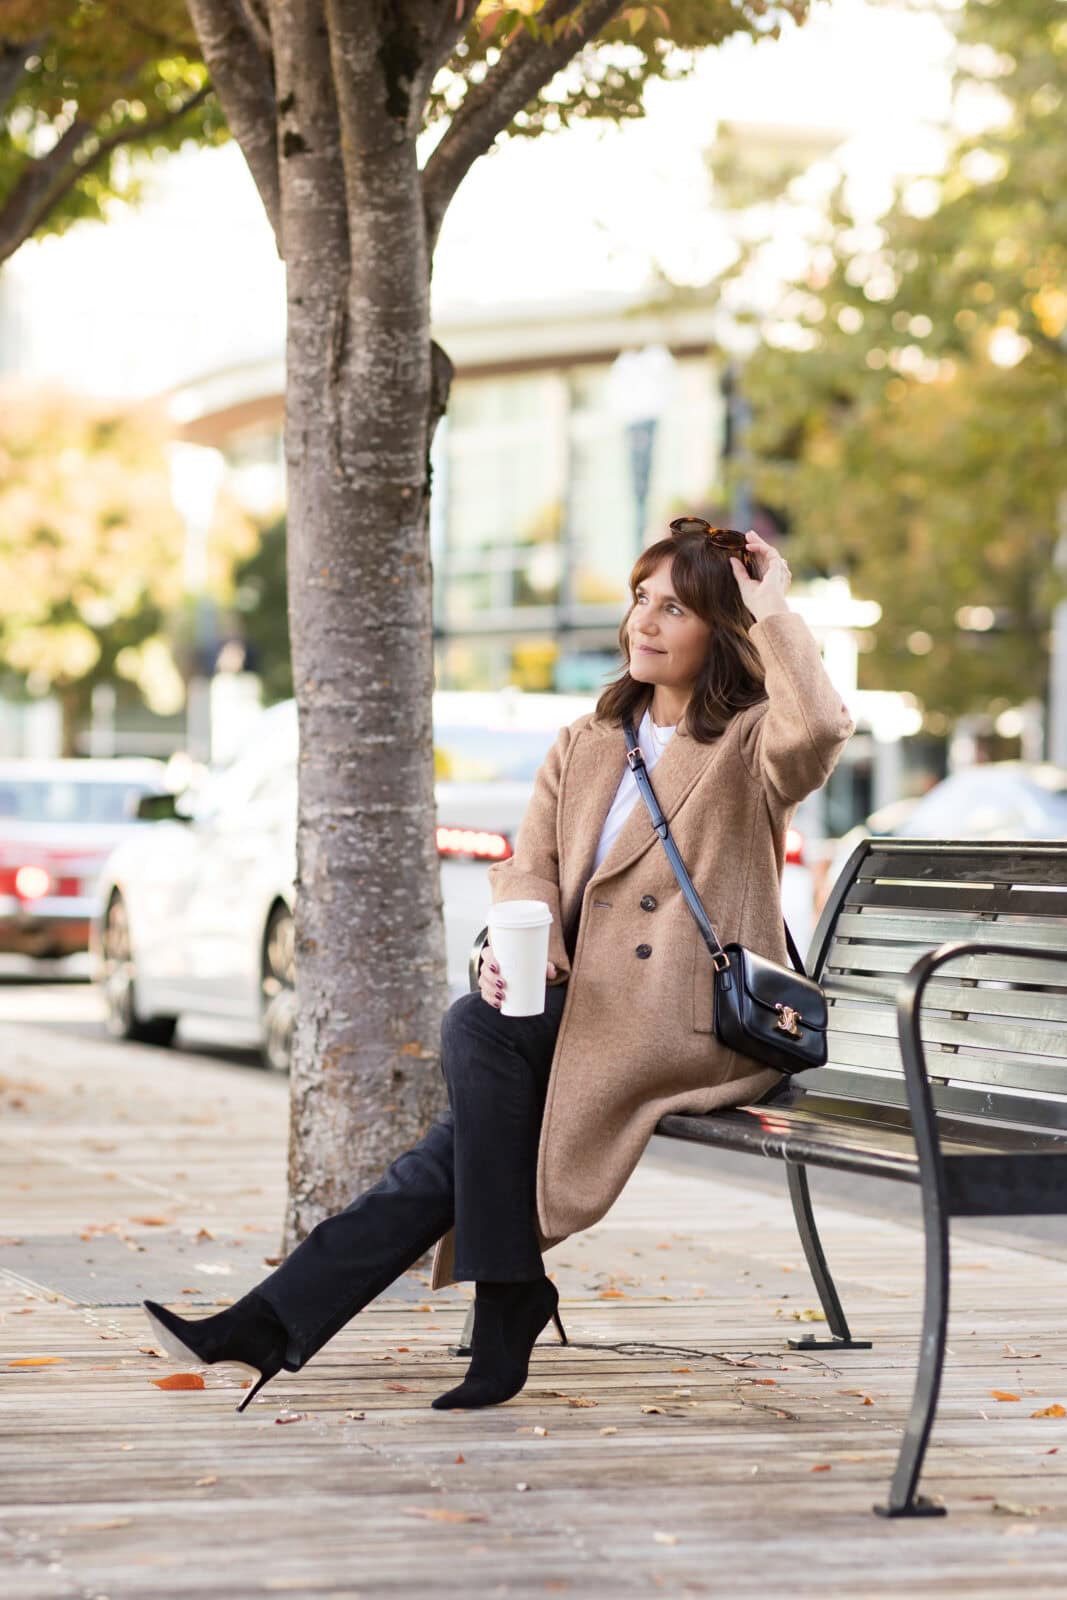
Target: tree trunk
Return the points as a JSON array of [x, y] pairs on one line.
[[365, 1077]]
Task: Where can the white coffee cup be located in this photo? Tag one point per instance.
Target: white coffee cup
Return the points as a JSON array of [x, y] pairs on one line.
[[518, 933]]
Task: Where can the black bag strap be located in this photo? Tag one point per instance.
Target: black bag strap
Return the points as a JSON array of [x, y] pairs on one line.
[[692, 899]]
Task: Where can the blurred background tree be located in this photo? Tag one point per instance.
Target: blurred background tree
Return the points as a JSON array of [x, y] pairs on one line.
[[83, 85], [91, 552], [260, 599], [908, 390]]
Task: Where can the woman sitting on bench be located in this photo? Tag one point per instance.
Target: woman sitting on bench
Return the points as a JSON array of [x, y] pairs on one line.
[[549, 1114]]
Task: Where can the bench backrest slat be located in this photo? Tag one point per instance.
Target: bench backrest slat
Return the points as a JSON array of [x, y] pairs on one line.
[[995, 1027]]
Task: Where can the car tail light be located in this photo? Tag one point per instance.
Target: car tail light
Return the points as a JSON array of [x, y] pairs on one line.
[[794, 847], [32, 882], [475, 843]]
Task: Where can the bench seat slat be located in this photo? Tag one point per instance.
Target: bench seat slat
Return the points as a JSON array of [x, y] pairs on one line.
[[1036, 1005], [884, 1090], [803, 1141], [1000, 1069], [1014, 1039], [953, 897], [927, 931], [880, 959], [963, 862]]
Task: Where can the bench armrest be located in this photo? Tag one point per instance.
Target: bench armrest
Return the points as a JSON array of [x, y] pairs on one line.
[[913, 1055], [476, 957]]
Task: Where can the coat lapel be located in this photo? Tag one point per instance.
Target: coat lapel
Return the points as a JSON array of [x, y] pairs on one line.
[[596, 770]]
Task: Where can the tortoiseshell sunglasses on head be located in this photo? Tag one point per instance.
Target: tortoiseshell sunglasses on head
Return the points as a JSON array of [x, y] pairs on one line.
[[728, 539]]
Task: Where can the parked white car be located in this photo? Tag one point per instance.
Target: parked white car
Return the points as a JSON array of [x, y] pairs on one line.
[[59, 821], [196, 913]]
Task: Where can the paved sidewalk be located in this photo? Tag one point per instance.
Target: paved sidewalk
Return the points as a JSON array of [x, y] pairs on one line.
[[702, 1457]]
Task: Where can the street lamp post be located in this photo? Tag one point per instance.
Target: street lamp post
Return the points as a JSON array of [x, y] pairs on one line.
[[196, 474], [638, 392]]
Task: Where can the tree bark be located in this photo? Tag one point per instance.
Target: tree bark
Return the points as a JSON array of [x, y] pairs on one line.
[[371, 975]]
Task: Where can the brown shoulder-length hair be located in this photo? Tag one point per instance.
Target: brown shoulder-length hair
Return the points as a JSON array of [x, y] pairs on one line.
[[732, 675]]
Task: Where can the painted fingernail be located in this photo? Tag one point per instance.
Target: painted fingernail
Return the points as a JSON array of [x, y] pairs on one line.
[[500, 988], [493, 967]]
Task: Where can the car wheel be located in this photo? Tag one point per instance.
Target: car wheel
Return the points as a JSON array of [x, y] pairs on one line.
[[120, 1010], [278, 990]]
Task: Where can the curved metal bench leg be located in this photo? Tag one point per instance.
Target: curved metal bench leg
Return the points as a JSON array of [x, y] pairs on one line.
[[841, 1338], [466, 1338], [903, 1501]]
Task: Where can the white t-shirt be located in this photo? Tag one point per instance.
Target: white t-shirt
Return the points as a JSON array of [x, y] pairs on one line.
[[628, 795]]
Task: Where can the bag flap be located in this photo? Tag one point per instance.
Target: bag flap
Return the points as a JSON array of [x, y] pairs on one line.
[[768, 984]]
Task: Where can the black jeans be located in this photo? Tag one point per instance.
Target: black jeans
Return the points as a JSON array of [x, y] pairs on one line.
[[475, 1168]]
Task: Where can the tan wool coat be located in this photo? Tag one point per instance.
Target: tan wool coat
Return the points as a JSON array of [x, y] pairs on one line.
[[635, 1039]]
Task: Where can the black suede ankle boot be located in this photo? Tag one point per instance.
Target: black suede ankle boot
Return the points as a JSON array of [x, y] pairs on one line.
[[507, 1319], [248, 1334]]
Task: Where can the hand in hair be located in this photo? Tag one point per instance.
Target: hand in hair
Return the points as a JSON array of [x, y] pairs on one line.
[[764, 596]]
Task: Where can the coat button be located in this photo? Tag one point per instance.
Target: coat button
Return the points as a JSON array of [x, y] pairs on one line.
[[649, 902], [643, 952]]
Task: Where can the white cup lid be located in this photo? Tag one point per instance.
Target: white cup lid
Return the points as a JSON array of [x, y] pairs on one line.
[[520, 914]]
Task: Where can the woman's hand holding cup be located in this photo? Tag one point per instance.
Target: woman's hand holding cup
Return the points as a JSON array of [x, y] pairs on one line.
[[492, 985]]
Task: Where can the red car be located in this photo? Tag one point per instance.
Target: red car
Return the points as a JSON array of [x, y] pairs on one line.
[[59, 822]]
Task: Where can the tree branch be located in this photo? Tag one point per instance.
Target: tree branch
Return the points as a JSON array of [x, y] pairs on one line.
[[525, 67], [47, 180], [244, 83], [455, 20]]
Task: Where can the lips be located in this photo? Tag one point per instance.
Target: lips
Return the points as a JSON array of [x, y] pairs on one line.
[[649, 650]]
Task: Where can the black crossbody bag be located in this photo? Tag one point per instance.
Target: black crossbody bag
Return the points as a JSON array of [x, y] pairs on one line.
[[775, 1015]]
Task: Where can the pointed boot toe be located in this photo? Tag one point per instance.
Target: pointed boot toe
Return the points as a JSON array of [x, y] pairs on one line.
[[247, 1335]]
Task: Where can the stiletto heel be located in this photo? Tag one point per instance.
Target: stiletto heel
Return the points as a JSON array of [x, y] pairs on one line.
[[264, 1377], [559, 1325], [247, 1335]]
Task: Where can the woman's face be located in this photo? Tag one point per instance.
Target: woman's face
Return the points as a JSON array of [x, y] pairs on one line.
[[668, 642]]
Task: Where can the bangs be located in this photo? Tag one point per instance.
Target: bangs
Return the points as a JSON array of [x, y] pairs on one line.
[[697, 574]]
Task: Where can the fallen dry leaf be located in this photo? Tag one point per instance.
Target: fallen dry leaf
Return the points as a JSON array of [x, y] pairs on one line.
[[292, 1416], [179, 1380], [612, 1294], [1051, 1411], [1012, 1508], [1011, 1354], [681, 1369], [540, 1433], [401, 1388], [444, 1514], [459, 1458], [36, 1361], [1004, 1394], [202, 1483], [657, 1411], [609, 1430], [822, 1466], [154, 1222], [96, 1527], [580, 1400]]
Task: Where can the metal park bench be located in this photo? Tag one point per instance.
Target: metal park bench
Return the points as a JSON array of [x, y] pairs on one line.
[[945, 969]]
